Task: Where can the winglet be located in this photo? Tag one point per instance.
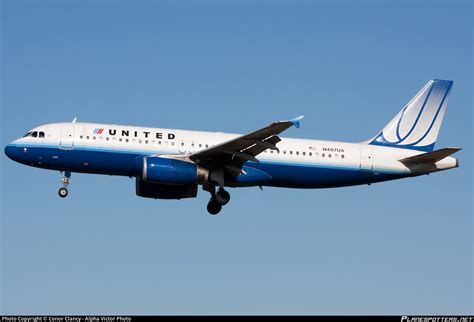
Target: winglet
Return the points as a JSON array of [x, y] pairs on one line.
[[296, 121]]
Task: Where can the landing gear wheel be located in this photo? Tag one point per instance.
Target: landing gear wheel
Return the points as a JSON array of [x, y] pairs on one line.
[[62, 192], [213, 207], [222, 197]]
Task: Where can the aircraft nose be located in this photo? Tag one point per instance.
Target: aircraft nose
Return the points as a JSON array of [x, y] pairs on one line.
[[11, 151]]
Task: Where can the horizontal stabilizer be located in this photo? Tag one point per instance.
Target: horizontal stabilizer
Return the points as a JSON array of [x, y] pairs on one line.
[[430, 157]]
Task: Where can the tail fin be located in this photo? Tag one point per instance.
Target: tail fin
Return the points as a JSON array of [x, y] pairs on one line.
[[417, 125]]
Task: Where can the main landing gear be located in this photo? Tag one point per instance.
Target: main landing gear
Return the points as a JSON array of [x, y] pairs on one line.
[[63, 192], [218, 199]]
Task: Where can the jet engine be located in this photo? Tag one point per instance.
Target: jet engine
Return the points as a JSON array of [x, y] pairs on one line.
[[173, 171]]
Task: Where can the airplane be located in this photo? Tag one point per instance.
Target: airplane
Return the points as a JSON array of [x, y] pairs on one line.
[[171, 164]]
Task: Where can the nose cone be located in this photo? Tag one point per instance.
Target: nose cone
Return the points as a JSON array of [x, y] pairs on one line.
[[12, 152], [9, 151]]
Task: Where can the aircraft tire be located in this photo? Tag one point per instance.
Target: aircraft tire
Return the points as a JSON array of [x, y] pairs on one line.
[[63, 192], [213, 207], [222, 197]]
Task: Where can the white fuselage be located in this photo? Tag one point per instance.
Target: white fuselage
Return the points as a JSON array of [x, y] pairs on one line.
[[107, 138]]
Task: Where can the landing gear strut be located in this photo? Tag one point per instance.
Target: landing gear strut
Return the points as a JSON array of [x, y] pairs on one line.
[[218, 199], [63, 192]]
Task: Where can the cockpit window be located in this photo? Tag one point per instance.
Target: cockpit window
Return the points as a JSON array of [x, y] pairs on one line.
[[35, 134]]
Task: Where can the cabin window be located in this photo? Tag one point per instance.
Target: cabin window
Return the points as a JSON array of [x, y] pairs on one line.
[[311, 154], [107, 138], [271, 151], [284, 151], [200, 145], [304, 153], [182, 143], [172, 143], [81, 136], [323, 155], [297, 153], [87, 137], [120, 139], [329, 155], [342, 156], [126, 140], [159, 142], [140, 141], [146, 141], [192, 144]]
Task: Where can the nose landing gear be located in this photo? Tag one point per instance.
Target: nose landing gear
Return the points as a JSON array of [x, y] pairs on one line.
[[63, 192]]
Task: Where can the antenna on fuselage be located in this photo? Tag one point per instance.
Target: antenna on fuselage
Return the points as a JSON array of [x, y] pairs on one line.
[[74, 120]]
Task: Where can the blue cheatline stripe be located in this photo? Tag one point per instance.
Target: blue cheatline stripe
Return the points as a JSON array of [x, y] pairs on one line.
[[84, 148], [353, 167], [381, 141]]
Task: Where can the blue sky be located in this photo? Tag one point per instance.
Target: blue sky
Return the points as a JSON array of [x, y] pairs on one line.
[[392, 248]]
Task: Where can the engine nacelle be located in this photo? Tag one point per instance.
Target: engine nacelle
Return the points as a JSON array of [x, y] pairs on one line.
[[164, 191], [172, 171]]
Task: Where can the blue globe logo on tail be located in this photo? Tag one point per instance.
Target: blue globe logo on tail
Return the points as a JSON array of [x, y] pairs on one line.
[[417, 125]]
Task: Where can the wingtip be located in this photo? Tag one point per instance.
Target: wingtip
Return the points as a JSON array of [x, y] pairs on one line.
[[296, 121], [454, 148]]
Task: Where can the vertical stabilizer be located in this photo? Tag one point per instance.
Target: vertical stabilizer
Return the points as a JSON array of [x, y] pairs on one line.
[[417, 125]]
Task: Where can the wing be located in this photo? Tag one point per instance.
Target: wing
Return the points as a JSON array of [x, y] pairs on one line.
[[231, 155]]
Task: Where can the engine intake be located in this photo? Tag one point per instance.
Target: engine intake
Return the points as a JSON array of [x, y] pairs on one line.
[[173, 171]]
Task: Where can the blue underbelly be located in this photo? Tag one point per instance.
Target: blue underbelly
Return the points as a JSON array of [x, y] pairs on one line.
[[312, 176], [296, 175], [79, 160]]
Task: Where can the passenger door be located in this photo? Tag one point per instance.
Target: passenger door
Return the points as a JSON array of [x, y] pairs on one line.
[[67, 137], [366, 158]]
